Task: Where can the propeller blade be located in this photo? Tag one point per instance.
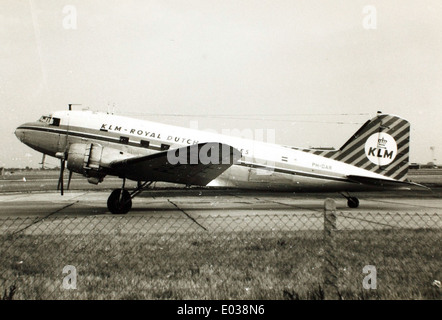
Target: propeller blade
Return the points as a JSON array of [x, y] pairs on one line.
[[69, 179], [60, 180]]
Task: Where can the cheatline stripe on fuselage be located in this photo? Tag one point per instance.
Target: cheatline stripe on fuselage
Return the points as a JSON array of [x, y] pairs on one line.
[[241, 163], [293, 172], [89, 136]]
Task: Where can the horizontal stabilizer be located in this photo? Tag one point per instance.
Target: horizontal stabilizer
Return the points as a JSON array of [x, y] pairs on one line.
[[385, 182]]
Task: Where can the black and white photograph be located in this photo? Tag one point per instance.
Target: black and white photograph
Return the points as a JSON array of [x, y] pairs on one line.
[[222, 156]]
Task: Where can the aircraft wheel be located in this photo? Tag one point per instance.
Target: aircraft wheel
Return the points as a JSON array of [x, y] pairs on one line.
[[353, 202], [119, 201]]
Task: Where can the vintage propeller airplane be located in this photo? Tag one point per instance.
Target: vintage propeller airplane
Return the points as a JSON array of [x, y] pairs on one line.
[[97, 144]]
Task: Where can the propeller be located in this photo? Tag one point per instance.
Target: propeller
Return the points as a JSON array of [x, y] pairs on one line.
[[69, 179], [62, 156], [60, 179], [60, 185]]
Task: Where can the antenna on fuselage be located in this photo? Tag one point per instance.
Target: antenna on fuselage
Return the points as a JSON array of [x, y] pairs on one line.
[[73, 104], [109, 111]]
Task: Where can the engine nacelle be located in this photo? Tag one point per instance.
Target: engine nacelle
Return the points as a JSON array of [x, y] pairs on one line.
[[92, 160]]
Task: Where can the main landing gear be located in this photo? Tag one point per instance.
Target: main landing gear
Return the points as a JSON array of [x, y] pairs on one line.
[[120, 200], [352, 202]]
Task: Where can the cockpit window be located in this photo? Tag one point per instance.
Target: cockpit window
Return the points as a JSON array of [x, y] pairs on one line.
[[50, 120], [46, 119], [55, 122]]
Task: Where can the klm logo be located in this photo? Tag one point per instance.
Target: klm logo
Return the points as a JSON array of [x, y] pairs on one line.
[[380, 153], [381, 149]]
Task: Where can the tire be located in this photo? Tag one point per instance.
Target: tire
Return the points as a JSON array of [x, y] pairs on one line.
[[353, 202], [117, 205]]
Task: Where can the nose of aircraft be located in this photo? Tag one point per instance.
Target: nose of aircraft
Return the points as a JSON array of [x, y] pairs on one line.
[[20, 133]]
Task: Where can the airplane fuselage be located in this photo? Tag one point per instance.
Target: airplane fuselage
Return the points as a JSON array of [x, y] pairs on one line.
[[263, 165]]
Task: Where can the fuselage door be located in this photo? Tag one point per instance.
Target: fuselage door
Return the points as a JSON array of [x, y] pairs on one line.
[[63, 125]]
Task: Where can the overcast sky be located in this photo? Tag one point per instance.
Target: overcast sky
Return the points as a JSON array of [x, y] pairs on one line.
[[311, 71]]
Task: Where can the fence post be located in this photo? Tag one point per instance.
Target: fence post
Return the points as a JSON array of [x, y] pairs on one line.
[[330, 270]]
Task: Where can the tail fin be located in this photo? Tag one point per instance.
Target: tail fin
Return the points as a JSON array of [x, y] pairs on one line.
[[381, 145]]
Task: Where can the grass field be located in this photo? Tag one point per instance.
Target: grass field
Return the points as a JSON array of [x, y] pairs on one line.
[[219, 265], [133, 257]]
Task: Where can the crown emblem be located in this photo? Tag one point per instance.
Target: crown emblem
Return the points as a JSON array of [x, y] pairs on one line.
[[382, 142]]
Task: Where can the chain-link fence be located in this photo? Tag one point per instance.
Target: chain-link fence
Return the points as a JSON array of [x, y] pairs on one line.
[[264, 256]]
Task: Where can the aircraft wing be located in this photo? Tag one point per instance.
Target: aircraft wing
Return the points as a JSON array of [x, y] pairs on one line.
[[384, 182], [193, 165]]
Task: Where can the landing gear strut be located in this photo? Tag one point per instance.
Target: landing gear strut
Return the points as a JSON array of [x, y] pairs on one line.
[[120, 200], [352, 202]]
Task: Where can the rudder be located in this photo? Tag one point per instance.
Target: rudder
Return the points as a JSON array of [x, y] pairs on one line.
[[381, 145]]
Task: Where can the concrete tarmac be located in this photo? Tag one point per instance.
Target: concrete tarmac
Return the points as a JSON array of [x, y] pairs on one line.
[[211, 202], [230, 210]]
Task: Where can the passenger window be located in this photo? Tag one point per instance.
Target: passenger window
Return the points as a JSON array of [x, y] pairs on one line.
[[124, 140], [144, 143]]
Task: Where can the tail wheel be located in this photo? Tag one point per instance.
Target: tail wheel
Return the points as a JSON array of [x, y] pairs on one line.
[[353, 202], [119, 201]]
